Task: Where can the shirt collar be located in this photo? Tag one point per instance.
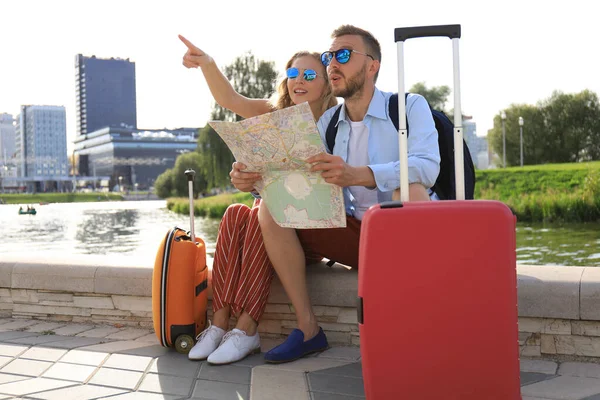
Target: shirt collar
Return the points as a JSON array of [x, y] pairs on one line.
[[376, 107]]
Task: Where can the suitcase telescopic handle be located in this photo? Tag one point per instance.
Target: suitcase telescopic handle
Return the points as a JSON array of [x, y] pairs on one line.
[[402, 34], [190, 176], [451, 31]]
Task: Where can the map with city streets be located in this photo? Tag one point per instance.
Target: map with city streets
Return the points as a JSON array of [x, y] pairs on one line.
[[276, 145]]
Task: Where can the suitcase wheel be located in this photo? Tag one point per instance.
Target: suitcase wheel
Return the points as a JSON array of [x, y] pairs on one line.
[[184, 343]]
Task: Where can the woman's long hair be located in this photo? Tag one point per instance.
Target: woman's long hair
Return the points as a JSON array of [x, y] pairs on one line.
[[281, 98]]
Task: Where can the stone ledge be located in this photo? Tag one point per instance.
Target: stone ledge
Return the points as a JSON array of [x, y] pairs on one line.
[[543, 291]]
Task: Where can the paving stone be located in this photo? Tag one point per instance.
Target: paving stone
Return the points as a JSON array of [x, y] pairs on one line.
[[253, 360], [271, 384], [35, 340], [167, 384], [43, 354], [99, 332], [114, 347], [4, 336], [528, 378], [308, 364], [45, 327], [26, 367], [6, 378], [585, 370], [17, 324], [82, 392], [148, 351], [353, 370], [225, 373], [29, 386], [149, 338], [70, 372], [594, 397], [175, 364], [73, 329], [336, 384], [5, 360], [350, 353], [92, 358], [333, 396], [541, 366], [116, 378], [129, 334], [142, 396], [12, 350], [134, 363], [72, 342], [564, 388], [221, 391]]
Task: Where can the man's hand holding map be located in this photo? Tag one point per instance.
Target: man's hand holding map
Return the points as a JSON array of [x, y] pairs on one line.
[[276, 145]]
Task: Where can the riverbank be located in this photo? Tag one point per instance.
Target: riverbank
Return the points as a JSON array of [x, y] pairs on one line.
[[213, 206], [537, 193], [58, 198]]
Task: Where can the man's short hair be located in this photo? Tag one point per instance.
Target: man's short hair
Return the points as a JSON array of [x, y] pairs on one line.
[[371, 44]]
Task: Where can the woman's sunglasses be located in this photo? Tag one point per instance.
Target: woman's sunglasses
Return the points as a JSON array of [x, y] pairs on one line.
[[342, 56], [309, 74]]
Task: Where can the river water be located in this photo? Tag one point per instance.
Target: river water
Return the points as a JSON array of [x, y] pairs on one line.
[[134, 230]]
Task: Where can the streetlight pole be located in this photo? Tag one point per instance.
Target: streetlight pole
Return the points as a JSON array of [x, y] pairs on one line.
[[521, 122], [503, 117]]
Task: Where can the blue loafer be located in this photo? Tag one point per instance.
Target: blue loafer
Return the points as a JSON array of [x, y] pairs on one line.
[[295, 347]]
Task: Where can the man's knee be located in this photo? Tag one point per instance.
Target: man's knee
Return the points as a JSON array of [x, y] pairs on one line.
[[264, 218]]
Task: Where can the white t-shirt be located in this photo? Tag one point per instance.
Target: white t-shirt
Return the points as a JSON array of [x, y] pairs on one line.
[[358, 155]]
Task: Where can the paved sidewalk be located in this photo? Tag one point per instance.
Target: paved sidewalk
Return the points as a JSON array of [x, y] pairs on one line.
[[67, 361]]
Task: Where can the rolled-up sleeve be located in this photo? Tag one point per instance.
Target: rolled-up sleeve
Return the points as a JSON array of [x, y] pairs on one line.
[[423, 150]]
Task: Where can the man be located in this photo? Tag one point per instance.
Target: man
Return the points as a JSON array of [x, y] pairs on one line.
[[364, 162]]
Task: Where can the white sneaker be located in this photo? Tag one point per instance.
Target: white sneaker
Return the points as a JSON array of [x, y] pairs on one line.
[[235, 346], [208, 341]]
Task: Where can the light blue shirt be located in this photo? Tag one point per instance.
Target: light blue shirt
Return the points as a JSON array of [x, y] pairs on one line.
[[383, 147]]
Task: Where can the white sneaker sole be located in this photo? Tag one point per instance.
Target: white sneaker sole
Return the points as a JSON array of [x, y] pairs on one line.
[[255, 351]]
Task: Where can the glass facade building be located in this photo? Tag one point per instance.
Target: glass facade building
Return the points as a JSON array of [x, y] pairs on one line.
[[105, 93]]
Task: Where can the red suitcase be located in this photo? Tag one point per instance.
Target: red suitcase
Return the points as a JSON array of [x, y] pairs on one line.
[[437, 286]]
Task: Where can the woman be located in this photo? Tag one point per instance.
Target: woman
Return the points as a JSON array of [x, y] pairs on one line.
[[242, 272]]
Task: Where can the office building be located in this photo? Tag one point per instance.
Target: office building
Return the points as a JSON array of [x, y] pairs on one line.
[[129, 157], [7, 138], [41, 146], [105, 94]]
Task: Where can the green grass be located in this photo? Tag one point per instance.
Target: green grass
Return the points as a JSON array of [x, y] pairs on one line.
[[213, 206], [58, 198], [551, 192], [535, 193]]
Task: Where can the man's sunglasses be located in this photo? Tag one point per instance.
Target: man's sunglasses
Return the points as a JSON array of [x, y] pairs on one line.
[[309, 74], [342, 56]]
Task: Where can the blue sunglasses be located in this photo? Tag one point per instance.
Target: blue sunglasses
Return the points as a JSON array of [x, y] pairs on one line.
[[342, 56], [309, 74]]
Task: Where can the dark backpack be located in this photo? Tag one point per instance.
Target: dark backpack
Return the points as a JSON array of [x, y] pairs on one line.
[[444, 186]]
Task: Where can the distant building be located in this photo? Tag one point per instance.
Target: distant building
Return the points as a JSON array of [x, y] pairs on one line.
[[41, 147], [478, 146], [129, 156], [105, 93], [7, 138]]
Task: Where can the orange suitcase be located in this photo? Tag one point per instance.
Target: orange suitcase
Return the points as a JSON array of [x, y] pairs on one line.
[[180, 285]]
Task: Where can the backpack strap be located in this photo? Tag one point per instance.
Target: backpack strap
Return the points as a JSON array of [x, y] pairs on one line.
[[393, 110], [331, 131]]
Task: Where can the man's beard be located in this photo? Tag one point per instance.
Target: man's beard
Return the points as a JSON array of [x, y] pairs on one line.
[[354, 85]]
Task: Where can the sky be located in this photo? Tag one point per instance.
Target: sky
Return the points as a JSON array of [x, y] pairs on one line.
[[511, 52]]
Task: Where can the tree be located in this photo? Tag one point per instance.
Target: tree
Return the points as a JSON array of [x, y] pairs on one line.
[[562, 128], [173, 183], [436, 96], [251, 78], [216, 158]]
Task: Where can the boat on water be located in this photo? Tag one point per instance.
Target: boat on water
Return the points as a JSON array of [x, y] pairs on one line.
[[27, 211]]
